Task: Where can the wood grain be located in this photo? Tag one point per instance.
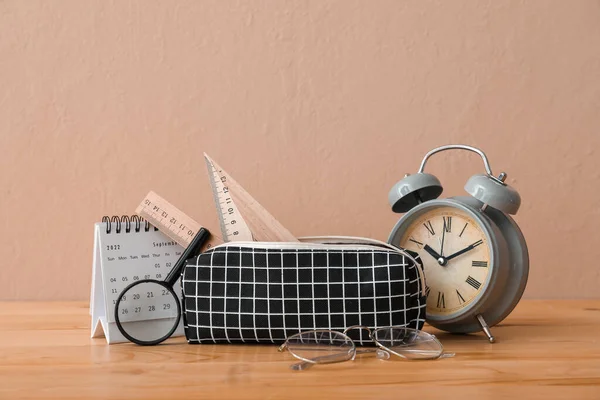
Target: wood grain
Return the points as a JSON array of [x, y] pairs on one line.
[[545, 349]]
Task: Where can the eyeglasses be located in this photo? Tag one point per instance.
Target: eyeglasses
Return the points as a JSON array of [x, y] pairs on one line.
[[327, 346]]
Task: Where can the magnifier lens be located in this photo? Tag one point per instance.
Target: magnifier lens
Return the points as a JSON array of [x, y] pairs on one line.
[[148, 312]]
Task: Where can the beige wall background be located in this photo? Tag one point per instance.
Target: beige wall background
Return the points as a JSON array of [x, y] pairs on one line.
[[316, 107]]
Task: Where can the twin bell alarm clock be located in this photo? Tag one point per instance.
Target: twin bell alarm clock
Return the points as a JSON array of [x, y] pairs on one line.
[[474, 255]]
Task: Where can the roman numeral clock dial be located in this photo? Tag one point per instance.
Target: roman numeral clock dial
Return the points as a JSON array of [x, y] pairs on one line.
[[474, 255], [455, 255]]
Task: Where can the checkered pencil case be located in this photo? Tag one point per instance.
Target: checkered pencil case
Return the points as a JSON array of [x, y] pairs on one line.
[[263, 292]]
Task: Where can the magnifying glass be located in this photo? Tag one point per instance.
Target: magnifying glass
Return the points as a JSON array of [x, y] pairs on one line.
[[148, 311]]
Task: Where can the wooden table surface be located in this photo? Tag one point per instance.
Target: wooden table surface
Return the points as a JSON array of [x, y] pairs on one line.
[[545, 349]]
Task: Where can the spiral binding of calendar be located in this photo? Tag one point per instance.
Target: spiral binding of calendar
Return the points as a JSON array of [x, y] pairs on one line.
[[126, 221]]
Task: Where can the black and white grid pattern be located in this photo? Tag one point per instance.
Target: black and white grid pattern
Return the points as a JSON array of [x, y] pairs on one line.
[[235, 294]]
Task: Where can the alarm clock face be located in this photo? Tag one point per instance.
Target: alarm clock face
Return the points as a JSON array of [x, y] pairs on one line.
[[456, 255]]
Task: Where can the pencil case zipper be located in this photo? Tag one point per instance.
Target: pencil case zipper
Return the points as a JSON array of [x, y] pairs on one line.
[[326, 243]]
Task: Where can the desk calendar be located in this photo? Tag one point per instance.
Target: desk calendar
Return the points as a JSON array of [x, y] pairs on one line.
[[126, 250]]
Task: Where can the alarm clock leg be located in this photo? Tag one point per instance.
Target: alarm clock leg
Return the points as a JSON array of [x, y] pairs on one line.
[[486, 328]]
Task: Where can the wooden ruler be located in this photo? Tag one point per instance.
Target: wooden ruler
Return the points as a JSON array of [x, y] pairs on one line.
[[233, 225], [241, 217], [172, 222]]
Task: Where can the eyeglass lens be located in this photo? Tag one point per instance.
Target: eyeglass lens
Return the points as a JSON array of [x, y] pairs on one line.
[[408, 343], [321, 346]]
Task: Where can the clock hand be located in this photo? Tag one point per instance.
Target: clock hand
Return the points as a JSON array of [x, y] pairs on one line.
[[468, 248], [443, 236], [432, 252], [440, 259]]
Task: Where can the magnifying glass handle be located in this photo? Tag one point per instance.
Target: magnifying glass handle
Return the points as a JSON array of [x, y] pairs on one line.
[[192, 250]]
